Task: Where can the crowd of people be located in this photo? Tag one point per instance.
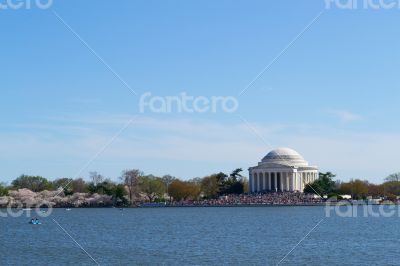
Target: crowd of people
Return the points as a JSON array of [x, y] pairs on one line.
[[275, 198]]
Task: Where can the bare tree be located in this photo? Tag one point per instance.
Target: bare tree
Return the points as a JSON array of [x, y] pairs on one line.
[[79, 185], [96, 178], [130, 178], [393, 178], [168, 179]]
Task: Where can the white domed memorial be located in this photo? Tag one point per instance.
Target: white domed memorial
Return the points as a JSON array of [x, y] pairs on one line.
[[282, 169]]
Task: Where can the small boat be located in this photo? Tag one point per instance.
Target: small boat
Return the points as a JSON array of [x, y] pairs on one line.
[[68, 209], [27, 209], [35, 221]]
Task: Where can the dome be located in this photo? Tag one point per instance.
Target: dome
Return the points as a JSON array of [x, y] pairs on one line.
[[285, 156]]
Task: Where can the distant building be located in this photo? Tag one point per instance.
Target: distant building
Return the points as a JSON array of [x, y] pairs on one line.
[[282, 169]]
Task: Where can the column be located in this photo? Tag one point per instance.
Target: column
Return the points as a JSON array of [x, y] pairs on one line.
[[301, 179], [255, 181], [269, 181], [264, 182], [295, 181], [251, 185], [275, 181], [284, 180], [258, 182], [279, 180], [281, 184], [287, 181], [261, 177], [298, 180]]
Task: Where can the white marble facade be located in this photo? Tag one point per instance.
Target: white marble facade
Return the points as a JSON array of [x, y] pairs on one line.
[[282, 169]]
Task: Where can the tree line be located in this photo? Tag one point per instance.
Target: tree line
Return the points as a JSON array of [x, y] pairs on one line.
[[356, 188], [134, 186]]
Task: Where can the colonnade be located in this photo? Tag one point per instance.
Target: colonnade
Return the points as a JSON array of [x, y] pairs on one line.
[[280, 181]]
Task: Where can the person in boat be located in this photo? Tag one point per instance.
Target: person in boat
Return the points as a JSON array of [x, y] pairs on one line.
[[35, 221]]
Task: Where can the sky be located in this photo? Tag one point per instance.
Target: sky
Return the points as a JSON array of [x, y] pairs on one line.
[[321, 80]]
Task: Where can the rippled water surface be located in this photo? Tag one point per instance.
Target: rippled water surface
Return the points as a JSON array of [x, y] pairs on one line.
[[200, 236]]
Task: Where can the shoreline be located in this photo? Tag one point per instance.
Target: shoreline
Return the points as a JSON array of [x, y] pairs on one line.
[[211, 206]]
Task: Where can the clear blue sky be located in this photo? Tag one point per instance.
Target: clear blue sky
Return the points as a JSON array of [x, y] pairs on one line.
[[332, 95]]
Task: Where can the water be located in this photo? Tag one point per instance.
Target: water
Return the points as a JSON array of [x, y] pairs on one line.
[[200, 236]]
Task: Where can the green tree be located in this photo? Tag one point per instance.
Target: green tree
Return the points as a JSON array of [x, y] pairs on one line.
[[391, 189], [63, 183], [324, 185], [70, 185], [153, 187], [119, 193], [78, 186], [234, 184], [391, 186], [3, 190], [234, 187], [210, 186], [33, 183], [106, 187], [235, 175], [183, 190]]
